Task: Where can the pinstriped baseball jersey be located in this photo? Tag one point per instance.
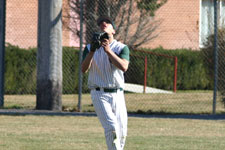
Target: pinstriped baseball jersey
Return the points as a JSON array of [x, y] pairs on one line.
[[102, 72], [110, 107]]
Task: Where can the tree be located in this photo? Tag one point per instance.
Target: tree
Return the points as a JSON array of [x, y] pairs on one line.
[[134, 19], [209, 59], [49, 56]]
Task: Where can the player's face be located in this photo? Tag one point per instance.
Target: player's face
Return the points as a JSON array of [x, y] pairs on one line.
[[106, 26]]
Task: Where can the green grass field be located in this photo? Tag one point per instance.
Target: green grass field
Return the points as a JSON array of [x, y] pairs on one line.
[[33, 132], [189, 102], [85, 133]]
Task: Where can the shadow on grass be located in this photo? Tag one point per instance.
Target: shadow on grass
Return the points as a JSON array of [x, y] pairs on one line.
[[177, 115], [12, 107], [17, 111]]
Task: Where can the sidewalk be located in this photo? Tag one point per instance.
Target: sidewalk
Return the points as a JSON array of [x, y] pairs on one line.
[[135, 88], [43, 112]]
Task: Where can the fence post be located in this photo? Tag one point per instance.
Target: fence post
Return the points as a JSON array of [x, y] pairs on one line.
[[175, 75], [145, 74], [80, 56], [2, 49], [215, 58]]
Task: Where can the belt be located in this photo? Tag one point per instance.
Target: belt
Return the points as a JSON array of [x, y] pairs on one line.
[[109, 90]]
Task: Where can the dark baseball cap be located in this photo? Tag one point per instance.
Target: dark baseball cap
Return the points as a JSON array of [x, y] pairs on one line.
[[106, 19]]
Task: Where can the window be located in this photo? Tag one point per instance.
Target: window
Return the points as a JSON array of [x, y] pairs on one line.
[[207, 18], [222, 14]]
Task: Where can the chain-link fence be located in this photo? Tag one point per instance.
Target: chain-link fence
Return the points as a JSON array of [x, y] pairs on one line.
[[172, 52]]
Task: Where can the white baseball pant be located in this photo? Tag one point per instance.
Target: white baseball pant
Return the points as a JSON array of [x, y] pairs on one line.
[[111, 111]]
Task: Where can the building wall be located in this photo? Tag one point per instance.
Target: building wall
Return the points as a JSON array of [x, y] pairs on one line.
[[180, 25], [21, 23], [179, 28]]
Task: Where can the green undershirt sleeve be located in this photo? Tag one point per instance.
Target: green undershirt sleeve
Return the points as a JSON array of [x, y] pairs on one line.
[[85, 52], [125, 53]]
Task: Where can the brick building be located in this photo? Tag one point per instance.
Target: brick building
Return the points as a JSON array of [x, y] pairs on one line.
[[186, 23], [21, 24]]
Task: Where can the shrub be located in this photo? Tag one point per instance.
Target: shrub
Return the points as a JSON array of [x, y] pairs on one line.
[[191, 71], [20, 70], [209, 59]]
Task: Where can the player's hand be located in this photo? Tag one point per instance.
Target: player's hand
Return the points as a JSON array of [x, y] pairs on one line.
[[94, 46], [105, 45]]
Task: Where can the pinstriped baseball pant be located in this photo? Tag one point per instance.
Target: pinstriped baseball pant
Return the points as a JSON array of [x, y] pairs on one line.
[[111, 111]]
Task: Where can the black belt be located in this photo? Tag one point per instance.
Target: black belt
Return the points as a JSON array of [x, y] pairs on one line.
[[109, 90]]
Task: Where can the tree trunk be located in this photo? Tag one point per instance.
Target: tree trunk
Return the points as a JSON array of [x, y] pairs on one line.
[[49, 56]]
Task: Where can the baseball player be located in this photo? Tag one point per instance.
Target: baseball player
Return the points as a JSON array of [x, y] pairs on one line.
[[107, 63]]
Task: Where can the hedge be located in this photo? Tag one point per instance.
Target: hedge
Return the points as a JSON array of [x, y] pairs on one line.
[[20, 70], [209, 59], [191, 70]]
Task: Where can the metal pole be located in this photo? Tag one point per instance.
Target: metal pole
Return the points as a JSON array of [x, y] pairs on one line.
[[175, 75], [80, 56], [2, 49], [215, 57], [145, 74]]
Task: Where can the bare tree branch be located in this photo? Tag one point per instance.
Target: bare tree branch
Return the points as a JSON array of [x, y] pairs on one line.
[[134, 29], [128, 20]]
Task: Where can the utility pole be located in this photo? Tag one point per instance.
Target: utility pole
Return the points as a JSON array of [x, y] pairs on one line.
[[2, 49], [215, 51], [49, 55], [80, 57]]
